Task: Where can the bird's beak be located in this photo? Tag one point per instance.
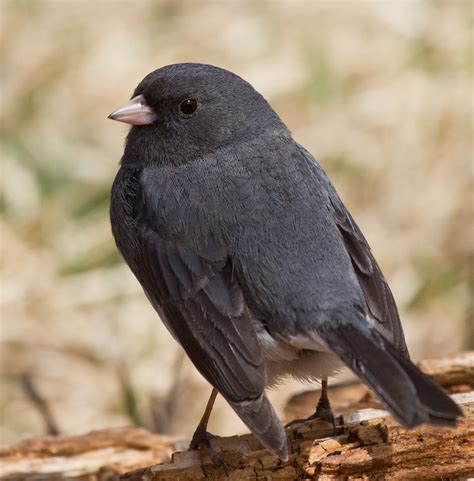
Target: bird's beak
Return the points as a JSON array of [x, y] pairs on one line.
[[134, 112]]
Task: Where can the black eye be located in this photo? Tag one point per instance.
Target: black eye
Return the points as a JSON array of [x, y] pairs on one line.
[[188, 106]]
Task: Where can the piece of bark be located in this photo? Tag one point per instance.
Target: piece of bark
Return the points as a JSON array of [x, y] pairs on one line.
[[369, 445], [96, 456], [451, 370]]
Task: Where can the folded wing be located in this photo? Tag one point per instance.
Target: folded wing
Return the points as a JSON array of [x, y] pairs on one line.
[[378, 297], [193, 289]]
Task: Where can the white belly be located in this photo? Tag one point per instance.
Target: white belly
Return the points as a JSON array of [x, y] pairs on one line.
[[302, 358]]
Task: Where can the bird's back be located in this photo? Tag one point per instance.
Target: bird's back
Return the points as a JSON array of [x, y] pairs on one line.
[[297, 253]]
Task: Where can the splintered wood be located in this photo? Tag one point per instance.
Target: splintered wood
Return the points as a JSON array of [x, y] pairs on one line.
[[365, 449], [368, 445]]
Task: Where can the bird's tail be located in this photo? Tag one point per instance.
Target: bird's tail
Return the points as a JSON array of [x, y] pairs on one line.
[[260, 417], [410, 395]]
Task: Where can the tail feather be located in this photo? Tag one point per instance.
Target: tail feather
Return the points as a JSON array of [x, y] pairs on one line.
[[410, 395], [260, 417], [440, 409]]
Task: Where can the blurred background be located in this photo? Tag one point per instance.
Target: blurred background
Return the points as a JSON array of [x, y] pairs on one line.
[[380, 92]]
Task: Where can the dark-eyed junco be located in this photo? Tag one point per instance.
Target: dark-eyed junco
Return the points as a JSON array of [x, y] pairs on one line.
[[245, 250]]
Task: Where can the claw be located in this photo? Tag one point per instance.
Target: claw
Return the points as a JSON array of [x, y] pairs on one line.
[[323, 410], [202, 439]]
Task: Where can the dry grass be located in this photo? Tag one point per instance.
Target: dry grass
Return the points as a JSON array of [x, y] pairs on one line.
[[380, 92]]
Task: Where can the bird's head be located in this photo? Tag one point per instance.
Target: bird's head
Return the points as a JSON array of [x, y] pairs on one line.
[[186, 110]]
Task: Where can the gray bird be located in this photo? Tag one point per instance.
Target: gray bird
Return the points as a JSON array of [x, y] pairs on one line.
[[250, 258]]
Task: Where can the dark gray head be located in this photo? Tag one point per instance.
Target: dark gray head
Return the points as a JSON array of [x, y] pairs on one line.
[[186, 110]]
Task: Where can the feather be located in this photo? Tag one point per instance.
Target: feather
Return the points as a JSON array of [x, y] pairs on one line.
[[193, 290], [409, 394], [378, 297]]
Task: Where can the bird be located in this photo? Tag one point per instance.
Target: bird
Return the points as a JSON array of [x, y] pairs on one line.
[[250, 258]]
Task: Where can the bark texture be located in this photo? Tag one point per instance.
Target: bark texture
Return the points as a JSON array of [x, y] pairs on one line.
[[368, 445]]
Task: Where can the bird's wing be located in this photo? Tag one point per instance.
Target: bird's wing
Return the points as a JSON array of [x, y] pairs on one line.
[[191, 285], [378, 297], [205, 311], [378, 354]]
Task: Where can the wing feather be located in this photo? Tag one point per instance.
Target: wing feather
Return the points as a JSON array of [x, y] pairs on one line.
[[378, 297], [188, 279], [206, 313]]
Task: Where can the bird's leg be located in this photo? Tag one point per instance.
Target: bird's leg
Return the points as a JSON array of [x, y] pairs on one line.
[[323, 409], [201, 438]]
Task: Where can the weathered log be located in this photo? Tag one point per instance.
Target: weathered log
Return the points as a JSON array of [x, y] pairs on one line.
[[368, 445], [451, 370], [98, 456]]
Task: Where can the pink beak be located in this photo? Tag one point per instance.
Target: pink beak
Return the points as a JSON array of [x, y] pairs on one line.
[[134, 112]]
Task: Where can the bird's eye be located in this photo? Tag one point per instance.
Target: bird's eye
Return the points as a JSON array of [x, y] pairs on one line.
[[188, 106]]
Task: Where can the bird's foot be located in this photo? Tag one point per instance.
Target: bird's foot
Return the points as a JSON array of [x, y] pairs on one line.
[[323, 412], [202, 439]]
